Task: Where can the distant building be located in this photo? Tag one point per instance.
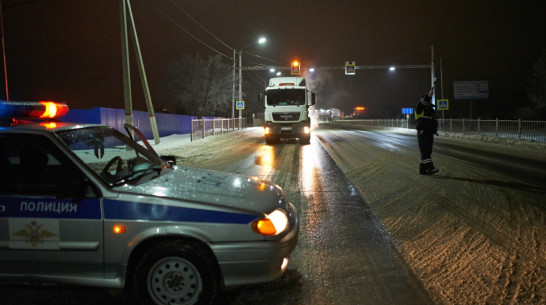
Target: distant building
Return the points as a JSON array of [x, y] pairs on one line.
[[326, 115], [359, 112]]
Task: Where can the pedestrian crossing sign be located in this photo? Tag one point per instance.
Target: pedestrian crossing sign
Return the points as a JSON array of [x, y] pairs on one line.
[[350, 67], [443, 105], [240, 105]]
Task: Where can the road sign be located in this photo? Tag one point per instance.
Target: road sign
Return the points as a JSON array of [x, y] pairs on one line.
[[468, 90], [442, 105], [350, 67], [240, 105]]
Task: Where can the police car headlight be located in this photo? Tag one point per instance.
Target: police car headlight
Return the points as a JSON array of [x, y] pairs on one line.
[[272, 224]]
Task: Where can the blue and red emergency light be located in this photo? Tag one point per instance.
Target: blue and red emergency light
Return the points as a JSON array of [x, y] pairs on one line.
[[32, 110]]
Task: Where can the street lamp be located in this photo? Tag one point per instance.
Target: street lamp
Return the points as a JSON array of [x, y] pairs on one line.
[[262, 40]]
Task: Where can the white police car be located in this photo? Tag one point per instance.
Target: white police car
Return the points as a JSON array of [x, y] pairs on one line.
[[85, 204]]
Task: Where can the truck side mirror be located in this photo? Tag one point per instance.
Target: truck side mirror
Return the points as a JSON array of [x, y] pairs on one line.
[[262, 98], [312, 102]]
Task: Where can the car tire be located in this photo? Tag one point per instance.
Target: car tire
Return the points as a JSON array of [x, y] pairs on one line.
[[177, 272]]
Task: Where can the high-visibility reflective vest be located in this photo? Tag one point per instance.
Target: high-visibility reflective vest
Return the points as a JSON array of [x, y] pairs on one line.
[[418, 115]]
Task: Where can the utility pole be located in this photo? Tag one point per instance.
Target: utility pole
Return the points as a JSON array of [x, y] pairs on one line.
[[4, 51], [125, 10], [240, 85], [432, 74], [233, 88]]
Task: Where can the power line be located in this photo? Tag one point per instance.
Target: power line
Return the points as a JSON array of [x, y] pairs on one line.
[[200, 25], [261, 57], [191, 35], [214, 36]]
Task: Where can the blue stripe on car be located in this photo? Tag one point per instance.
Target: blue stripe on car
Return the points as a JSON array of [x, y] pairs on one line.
[[115, 209]]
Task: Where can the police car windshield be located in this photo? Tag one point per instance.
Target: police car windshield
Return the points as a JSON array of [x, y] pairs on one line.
[[111, 155], [285, 97]]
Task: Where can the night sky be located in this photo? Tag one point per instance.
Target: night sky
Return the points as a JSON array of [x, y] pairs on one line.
[[70, 50]]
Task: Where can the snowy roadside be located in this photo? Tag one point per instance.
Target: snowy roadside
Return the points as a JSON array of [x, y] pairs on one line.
[[199, 151], [177, 141], [507, 142]]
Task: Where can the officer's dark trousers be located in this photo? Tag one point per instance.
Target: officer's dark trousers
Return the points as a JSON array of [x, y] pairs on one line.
[[425, 138]]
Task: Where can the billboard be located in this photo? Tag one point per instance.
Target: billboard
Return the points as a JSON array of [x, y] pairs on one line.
[[468, 90]]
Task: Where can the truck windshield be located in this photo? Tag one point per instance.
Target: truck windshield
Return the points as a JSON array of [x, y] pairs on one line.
[[284, 97]]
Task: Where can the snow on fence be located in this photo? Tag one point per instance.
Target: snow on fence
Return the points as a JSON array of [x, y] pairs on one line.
[[205, 127], [514, 129]]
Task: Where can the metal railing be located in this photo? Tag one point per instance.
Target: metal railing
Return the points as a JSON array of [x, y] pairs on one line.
[[398, 123], [513, 129], [201, 128]]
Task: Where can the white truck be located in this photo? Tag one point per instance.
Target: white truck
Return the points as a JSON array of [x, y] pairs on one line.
[[287, 101]]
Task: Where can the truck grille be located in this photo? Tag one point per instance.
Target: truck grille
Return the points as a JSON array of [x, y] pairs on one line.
[[286, 116]]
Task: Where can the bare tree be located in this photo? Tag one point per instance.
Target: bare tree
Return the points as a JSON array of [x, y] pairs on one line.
[[200, 87]]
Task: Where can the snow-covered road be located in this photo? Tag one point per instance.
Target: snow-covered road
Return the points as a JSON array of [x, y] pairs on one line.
[[473, 234]]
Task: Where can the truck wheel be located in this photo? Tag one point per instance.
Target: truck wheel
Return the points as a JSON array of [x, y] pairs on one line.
[[305, 140], [177, 272]]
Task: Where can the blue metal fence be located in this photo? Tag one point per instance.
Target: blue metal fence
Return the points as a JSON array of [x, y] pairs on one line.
[[167, 124]]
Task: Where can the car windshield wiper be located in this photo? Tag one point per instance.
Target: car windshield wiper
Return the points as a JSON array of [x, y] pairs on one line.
[[137, 174]]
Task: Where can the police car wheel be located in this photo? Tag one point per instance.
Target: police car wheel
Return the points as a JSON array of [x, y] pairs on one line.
[[176, 272]]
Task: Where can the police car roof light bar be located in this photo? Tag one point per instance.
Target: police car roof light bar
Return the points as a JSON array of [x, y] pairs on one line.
[[32, 110]]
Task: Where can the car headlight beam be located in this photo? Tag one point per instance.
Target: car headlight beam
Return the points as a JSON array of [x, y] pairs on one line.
[[272, 224]]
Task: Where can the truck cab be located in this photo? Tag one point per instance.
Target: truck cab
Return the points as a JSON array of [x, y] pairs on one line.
[[287, 101]]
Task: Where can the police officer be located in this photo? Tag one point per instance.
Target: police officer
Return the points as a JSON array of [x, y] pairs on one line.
[[427, 127]]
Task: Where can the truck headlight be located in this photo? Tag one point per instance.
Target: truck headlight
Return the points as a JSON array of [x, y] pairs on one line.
[[271, 224], [306, 130], [266, 130]]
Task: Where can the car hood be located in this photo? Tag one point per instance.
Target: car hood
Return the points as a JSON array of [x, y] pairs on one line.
[[214, 188]]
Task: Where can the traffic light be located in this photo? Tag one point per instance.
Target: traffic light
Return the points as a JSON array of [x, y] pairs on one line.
[[295, 67]]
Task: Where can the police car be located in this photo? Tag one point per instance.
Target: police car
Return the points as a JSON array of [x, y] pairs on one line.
[[86, 204]]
